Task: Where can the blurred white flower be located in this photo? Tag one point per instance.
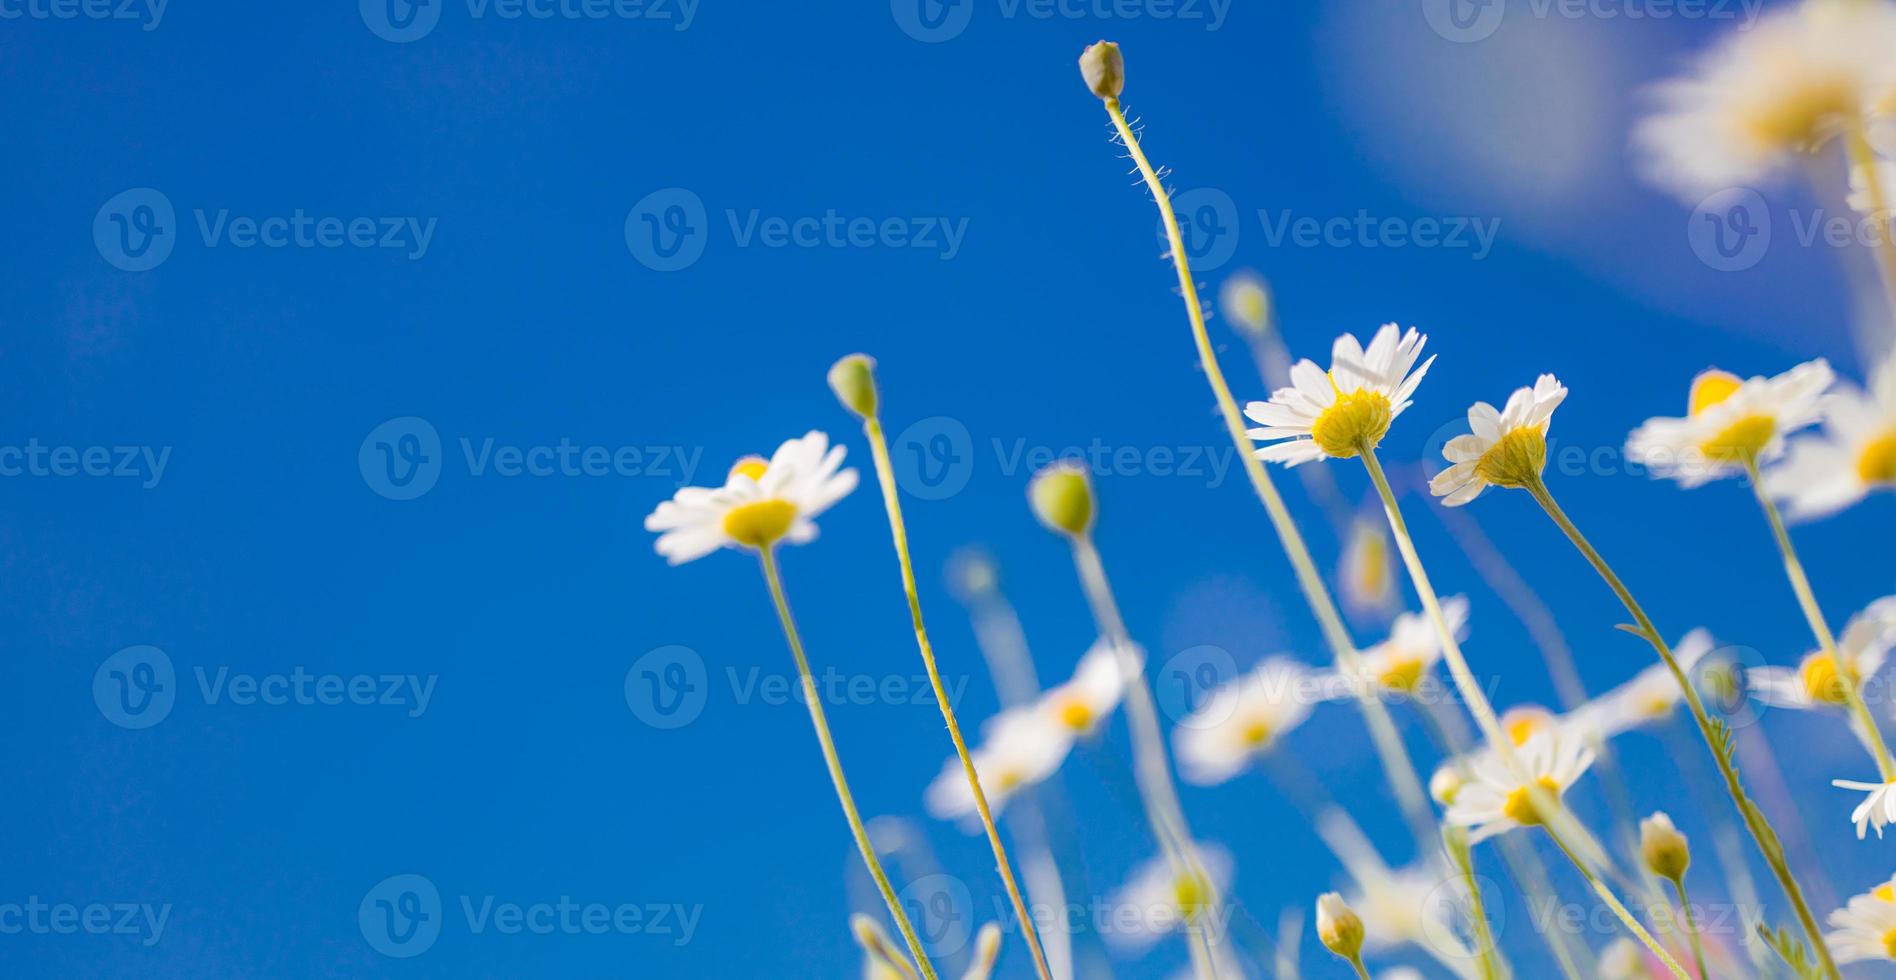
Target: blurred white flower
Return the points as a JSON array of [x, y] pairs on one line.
[[1399, 663], [1507, 448], [1157, 900], [1493, 801], [1729, 421], [1854, 455], [1343, 412], [1864, 645], [1244, 719], [1648, 698], [1019, 748], [1082, 704], [1865, 929], [761, 502], [1368, 570]]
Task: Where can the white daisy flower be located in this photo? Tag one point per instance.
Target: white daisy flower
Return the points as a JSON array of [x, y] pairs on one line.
[[1730, 421], [1493, 801], [761, 502], [1020, 747], [1763, 95], [1815, 682], [1855, 454], [1157, 900], [1866, 928], [1368, 570], [1507, 448], [1648, 698], [1413, 906], [1083, 703], [1341, 413], [1244, 719], [1399, 663]]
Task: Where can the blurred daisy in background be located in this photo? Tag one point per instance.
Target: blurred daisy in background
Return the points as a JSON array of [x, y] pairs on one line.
[[761, 502], [1817, 681], [1082, 704], [1762, 96], [1157, 901], [1865, 929], [1505, 447], [1368, 571], [1399, 664], [1649, 698], [1854, 455], [1494, 801], [1730, 421], [1340, 413], [1244, 719], [1020, 747]]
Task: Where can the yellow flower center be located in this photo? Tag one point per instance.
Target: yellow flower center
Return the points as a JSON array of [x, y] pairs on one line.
[[1516, 460], [1712, 387], [1375, 579], [1519, 806], [1656, 705], [1821, 679], [1402, 674], [751, 466], [1741, 440], [1356, 421], [1522, 724], [1802, 114], [1877, 462], [1008, 780], [1190, 892], [1076, 714], [1889, 944], [760, 522], [1255, 733], [1885, 891]]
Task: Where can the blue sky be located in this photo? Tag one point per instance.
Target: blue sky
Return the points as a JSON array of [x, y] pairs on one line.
[[266, 259]]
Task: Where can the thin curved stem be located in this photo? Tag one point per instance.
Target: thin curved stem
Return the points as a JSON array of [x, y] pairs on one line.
[[1691, 928], [1398, 768], [885, 474], [823, 738], [1755, 822], [1455, 842], [1619, 909], [1863, 157]]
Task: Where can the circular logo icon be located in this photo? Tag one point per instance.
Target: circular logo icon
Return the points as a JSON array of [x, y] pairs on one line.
[[1464, 21], [401, 458], [401, 916], [1187, 680], [932, 21], [1724, 681], [667, 230], [136, 230], [1208, 220], [933, 458], [667, 688], [135, 687], [401, 21], [943, 912], [1731, 230], [1448, 917]]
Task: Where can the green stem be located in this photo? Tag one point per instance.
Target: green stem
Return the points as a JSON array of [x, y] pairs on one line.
[[885, 474], [1357, 963], [1755, 822], [1612, 901], [1863, 156], [1852, 683], [1398, 768], [1692, 929], [811, 698], [1456, 843]]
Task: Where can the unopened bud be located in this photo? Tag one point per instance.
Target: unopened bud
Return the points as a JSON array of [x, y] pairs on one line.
[[853, 379], [987, 948], [1103, 69], [1339, 927], [1062, 497], [1246, 302], [1445, 785], [1663, 848]]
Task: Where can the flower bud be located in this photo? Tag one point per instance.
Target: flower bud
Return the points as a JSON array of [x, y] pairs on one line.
[[987, 948], [1339, 927], [1103, 69], [853, 379], [1662, 847], [1062, 497], [1445, 785], [1246, 302]]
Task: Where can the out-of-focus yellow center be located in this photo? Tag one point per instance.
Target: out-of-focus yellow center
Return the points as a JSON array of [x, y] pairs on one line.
[[1190, 892], [751, 466], [1821, 679], [1375, 580], [1356, 421], [1712, 387], [1523, 724], [1802, 113], [1877, 462], [1076, 714], [1519, 806], [1885, 891], [760, 522], [1403, 673], [1741, 440], [1255, 733], [1655, 705], [1889, 944], [1009, 780], [1516, 459]]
